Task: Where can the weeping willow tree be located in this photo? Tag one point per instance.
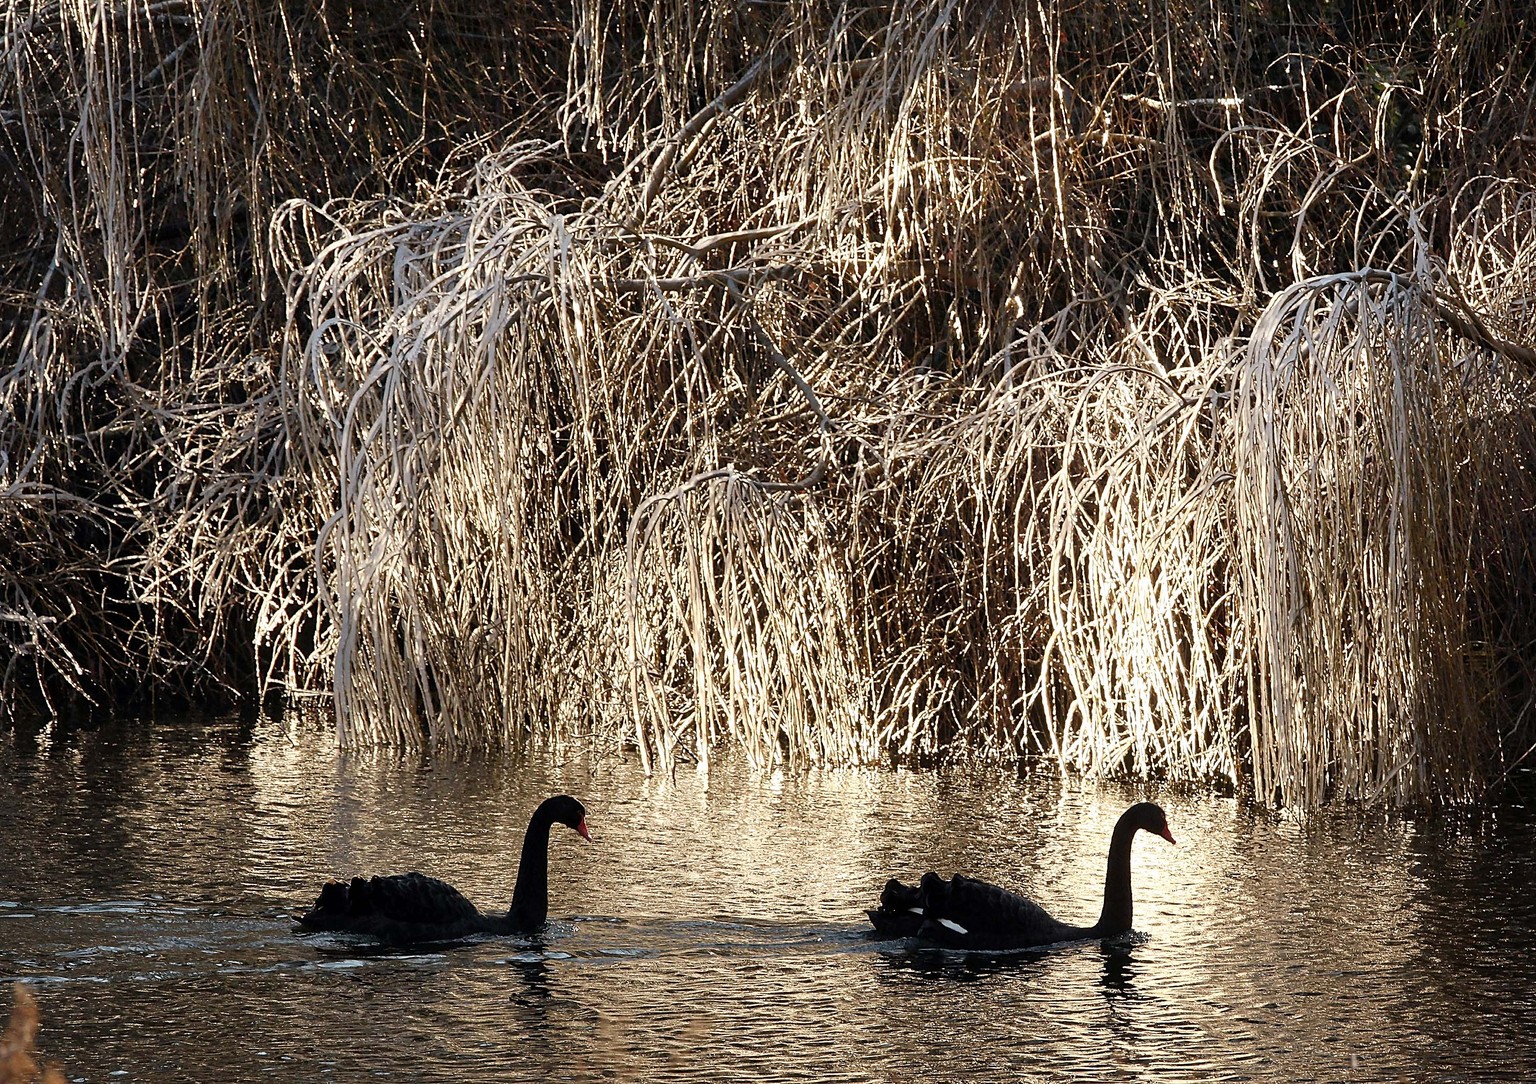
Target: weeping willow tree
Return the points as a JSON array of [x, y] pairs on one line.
[[1149, 390]]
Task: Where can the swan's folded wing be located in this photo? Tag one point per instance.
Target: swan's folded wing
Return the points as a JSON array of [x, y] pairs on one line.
[[975, 914], [415, 897], [403, 898]]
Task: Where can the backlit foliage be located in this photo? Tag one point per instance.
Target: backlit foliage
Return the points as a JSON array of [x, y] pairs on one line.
[[1149, 389]]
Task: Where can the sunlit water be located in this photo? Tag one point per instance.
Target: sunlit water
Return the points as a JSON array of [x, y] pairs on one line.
[[714, 932]]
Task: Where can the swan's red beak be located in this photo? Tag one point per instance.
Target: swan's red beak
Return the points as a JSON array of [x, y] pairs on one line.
[[1167, 835], [581, 830]]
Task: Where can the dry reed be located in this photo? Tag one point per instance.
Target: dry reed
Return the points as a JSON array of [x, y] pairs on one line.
[[1146, 390], [18, 1044]]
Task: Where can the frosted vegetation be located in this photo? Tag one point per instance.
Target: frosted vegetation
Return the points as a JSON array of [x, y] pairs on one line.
[[835, 384]]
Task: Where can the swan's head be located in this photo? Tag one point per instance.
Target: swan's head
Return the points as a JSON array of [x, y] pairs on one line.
[[1149, 816], [564, 809]]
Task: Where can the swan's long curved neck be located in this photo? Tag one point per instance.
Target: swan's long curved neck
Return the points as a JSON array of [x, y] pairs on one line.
[[1116, 916], [530, 897]]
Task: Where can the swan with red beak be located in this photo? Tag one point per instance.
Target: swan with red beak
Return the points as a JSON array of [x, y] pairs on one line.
[[964, 913]]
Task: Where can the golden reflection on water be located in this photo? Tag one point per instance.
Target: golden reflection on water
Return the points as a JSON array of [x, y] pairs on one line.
[[720, 933]]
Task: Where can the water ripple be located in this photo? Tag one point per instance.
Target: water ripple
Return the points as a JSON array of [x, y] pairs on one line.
[[718, 932]]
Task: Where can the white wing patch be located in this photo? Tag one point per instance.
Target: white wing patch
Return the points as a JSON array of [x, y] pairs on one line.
[[915, 910], [947, 924]]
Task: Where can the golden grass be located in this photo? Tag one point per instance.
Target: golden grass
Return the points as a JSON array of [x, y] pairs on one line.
[[18, 1044]]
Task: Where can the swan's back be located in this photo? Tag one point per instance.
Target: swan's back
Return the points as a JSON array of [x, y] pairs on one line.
[[966, 913], [403, 907]]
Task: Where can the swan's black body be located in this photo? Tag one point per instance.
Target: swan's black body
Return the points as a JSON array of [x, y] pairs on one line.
[[964, 913], [412, 908]]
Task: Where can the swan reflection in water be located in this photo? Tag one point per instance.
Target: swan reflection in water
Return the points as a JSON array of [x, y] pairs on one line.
[[531, 994], [1119, 975], [943, 965]]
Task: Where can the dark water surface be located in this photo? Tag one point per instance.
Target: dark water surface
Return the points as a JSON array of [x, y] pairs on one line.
[[714, 932]]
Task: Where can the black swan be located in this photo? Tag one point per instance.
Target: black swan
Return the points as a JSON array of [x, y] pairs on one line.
[[412, 908], [963, 913]]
